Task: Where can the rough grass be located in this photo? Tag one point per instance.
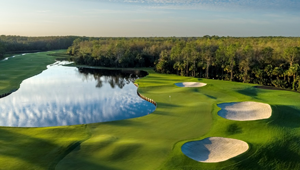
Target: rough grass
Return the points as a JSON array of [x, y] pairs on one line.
[[154, 141]]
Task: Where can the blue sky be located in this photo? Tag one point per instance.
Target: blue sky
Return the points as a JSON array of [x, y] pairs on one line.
[[136, 18]]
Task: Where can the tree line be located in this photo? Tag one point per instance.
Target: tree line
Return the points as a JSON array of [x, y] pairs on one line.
[[271, 61], [2, 50], [118, 52], [21, 44]]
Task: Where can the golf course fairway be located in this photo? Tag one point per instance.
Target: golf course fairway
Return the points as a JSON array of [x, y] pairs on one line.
[[154, 141]]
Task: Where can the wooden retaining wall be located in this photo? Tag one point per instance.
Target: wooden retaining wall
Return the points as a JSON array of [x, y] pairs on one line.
[[144, 97]]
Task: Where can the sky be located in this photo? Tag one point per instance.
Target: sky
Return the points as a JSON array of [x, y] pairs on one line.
[[150, 18]]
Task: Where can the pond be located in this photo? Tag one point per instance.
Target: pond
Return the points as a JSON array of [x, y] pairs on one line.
[[63, 95]]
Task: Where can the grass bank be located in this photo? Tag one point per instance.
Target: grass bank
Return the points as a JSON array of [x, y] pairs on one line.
[[14, 70], [154, 141]]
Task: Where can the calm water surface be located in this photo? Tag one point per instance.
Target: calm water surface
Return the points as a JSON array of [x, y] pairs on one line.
[[68, 96]]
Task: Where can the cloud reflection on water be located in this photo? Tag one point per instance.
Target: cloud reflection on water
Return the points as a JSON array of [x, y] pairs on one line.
[[64, 96]]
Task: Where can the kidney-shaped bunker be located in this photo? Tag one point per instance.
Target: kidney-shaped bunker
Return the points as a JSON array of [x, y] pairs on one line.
[[214, 149], [245, 111], [190, 84]]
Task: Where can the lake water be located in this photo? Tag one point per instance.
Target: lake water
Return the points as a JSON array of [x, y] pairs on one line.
[[68, 96]]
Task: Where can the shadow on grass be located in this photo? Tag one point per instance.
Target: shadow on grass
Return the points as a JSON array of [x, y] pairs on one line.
[[233, 129], [81, 163], [127, 122], [250, 91], [282, 153], [196, 90], [211, 97], [267, 87], [285, 116], [37, 152]]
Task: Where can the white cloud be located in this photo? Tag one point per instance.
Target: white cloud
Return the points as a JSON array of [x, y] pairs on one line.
[[281, 5]]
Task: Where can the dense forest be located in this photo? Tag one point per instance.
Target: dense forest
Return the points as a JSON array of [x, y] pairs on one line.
[[2, 50], [20, 44], [272, 61]]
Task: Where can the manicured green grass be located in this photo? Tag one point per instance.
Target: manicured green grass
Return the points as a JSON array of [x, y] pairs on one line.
[[154, 141], [146, 142], [38, 148], [274, 143], [14, 70]]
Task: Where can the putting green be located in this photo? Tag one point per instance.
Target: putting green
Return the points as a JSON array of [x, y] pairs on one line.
[[155, 141]]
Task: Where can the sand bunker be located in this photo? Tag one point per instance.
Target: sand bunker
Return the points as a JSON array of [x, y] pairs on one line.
[[245, 111], [5, 59], [190, 84], [214, 149]]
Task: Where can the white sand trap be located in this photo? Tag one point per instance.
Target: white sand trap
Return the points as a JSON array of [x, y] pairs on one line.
[[190, 84], [5, 59], [245, 111], [214, 149]]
